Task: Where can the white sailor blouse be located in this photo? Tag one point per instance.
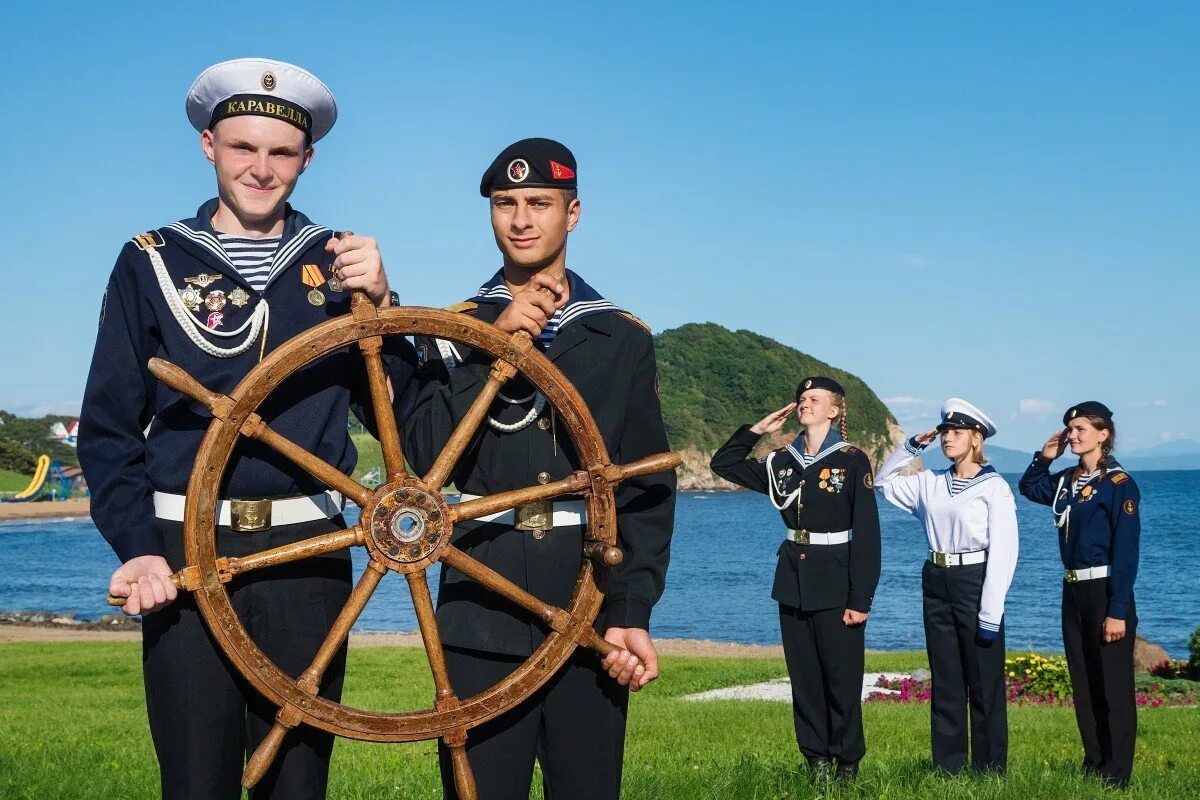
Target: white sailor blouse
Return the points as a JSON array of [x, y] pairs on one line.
[[982, 515]]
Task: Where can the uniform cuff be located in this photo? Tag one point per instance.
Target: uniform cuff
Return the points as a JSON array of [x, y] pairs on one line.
[[987, 630], [627, 612], [859, 602], [913, 446], [1041, 460], [1117, 609]]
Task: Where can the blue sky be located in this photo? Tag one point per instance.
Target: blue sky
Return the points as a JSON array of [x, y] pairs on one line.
[[998, 203]]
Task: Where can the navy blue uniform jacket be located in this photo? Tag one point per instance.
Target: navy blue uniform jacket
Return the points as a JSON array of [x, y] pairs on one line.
[[138, 436], [1102, 528]]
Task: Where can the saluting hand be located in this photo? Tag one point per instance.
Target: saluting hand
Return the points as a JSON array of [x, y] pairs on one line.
[[927, 437], [773, 421], [146, 581], [359, 265], [1055, 445], [1114, 630], [636, 663], [533, 306]]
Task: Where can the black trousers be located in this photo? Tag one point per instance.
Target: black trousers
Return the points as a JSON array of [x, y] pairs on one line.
[[825, 660], [574, 726], [968, 675], [204, 717], [1101, 678]]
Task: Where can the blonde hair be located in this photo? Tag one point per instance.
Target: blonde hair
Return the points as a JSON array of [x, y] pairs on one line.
[[839, 402], [977, 448]]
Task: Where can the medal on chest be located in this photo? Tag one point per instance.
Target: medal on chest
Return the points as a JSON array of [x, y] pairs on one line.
[[311, 276], [832, 479]]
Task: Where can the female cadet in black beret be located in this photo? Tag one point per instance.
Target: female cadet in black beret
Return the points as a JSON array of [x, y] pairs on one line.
[[1095, 506], [828, 565]]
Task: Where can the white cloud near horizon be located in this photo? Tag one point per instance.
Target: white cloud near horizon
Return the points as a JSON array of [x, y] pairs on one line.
[[1036, 407]]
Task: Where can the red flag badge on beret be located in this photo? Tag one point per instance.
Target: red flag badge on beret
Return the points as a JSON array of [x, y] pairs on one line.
[[560, 172]]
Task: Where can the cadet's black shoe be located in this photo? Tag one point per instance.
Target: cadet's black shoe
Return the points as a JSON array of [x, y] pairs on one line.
[[820, 769], [846, 772]]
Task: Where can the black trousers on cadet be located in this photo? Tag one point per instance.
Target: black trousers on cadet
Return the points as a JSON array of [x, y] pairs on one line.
[[574, 726], [205, 718], [825, 659], [968, 675], [1101, 678]]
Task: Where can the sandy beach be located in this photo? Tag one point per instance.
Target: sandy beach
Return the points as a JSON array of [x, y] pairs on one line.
[[45, 509]]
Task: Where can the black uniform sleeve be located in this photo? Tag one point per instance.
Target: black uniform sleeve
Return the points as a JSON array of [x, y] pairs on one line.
[[400, 364], [442, 398], [118, 404], [864, 546], [731, 461], [1037, 484], [645, 505], [1125, 518]]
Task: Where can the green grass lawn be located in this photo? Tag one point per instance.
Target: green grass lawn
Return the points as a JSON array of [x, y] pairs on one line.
[[73, 725], [13, 481]]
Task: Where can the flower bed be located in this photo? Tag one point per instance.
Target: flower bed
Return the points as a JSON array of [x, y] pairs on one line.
[[1043, 680]]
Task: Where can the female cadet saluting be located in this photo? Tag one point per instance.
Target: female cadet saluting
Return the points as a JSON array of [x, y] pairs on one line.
[[1095, 506], [828, 566], [970, 519]]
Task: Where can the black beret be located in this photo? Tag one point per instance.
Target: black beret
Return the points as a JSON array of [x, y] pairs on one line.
[[817, 382], [1088, 408], [540, 163]]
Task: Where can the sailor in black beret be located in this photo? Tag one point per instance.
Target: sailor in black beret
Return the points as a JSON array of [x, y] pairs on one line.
[[531, 163], [1097, 509], [1088, 408], [827, 566], [575, 725]]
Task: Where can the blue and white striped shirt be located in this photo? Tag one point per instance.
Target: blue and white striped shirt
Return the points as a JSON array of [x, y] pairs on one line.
[[254, 258]]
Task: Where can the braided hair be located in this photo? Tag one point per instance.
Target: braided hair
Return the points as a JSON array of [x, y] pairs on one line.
[[1106, 447]]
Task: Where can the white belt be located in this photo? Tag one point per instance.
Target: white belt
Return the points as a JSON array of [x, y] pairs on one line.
[[804, 537], [1091, 573], [289, 511], [957, 559], [566, 512]]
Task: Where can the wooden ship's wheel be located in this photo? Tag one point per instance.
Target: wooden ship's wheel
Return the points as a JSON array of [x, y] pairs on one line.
[[405, 526]]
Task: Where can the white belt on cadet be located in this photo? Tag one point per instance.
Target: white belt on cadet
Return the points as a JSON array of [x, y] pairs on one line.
[[540, 515], [957, 559], [249, 516], [804, 537], [1091, 573]]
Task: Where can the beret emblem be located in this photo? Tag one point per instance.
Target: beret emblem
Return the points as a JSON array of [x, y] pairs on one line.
[[268, 81], [518, 170]]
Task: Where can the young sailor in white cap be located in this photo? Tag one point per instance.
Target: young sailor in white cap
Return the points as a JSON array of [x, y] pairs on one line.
[[970, 520], [214, 294]]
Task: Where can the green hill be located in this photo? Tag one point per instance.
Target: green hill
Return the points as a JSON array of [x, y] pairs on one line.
[[713, 380]]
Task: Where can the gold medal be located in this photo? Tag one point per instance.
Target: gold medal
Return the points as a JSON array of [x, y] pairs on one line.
[[316, 298], [239, 297], [335, 283]]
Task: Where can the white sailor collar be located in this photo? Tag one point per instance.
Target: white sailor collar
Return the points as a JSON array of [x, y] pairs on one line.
[[198, 236], [584, 301], [987, 473], [833, 442]]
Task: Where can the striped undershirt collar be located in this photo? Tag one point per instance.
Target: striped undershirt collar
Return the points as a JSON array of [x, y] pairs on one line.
[[958, 485], [583, 302]]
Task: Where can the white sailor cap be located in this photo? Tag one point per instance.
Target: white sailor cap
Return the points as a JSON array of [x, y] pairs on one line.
[[265, 88], [958, 413]]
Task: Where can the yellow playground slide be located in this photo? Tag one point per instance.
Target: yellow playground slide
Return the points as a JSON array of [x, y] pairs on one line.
[[39, 477]]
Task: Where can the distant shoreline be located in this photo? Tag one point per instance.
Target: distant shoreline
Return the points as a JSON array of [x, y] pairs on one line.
[[46, 509]]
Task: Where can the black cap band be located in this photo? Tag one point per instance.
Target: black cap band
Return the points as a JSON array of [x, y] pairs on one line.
[[262, 105], [818, 382], [957, 419]]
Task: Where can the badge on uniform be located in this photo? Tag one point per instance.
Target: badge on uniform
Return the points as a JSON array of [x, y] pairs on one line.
[[832, 479], [1086, 493], [191, 297], [214, 320], [239, 297], [1129, 507], [214, 300], [422, 355], [312, 277]]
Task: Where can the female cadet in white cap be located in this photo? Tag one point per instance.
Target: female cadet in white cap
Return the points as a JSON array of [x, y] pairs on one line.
[[970, 520]]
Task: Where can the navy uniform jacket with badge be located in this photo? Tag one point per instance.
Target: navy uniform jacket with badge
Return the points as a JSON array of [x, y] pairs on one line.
[[138, 436], [815, 577], [1100, 524], [609, 358]]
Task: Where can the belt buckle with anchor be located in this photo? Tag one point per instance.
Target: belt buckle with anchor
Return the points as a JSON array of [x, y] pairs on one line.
[[249, 516], [801, 537], [940, 559], [535, 516]]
